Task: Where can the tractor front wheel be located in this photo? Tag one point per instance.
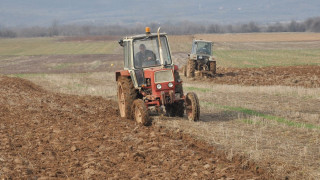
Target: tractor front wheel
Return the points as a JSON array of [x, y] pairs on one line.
[[140, 112], [192, 107]]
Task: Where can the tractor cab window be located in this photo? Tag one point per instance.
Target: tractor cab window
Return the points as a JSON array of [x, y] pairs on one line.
[[127, 54], [146, 52], [203, 48]]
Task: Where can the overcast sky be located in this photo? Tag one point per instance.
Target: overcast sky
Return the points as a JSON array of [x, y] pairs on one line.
[[101, 12]]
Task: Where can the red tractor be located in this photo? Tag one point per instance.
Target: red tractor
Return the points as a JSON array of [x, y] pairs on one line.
[[150, 82]]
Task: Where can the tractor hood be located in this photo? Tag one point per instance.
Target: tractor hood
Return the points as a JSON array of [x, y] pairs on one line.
[[159, 75]]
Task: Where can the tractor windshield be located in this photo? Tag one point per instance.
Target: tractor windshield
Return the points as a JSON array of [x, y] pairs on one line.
[[203, 48], [146, 52]]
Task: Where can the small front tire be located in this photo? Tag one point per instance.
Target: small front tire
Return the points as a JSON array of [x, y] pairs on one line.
[[140, 112], [192, 107]]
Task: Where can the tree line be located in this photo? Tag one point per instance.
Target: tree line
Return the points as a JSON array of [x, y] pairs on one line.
[[181, 28]]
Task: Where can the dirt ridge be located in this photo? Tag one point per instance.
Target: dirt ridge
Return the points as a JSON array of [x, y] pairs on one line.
[[303, 76]]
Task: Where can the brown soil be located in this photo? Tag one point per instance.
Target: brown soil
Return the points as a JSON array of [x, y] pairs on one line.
[[305, 76], [44, 134]]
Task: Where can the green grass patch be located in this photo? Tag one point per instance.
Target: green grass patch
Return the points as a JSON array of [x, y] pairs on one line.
[[28, 75], [249, 121], [62, 65], [51, 46], [197, 89], [265, 116]]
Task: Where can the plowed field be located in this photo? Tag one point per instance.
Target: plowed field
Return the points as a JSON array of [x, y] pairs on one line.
[[45, 134], [304, 76]]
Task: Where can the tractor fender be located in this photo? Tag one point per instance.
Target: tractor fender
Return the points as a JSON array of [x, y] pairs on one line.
[[122, 73]]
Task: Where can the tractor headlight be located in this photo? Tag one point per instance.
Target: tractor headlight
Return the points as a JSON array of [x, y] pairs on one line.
[[159, 86], [170, 85]]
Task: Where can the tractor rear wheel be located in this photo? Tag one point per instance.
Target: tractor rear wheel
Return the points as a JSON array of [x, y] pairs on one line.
[[140, 112], [126, 95], [213, 66], [192, 107], [191, 67]]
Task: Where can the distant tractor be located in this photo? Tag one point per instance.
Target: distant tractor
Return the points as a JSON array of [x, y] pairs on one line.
[[200, 61], [150, 82]]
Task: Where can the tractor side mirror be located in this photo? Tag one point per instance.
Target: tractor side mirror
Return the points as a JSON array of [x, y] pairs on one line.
[[120, 42]]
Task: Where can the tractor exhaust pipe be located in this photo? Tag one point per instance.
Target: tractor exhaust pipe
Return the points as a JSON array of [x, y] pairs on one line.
[[160, 47]]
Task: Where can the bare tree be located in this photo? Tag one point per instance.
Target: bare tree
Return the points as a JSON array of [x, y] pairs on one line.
[[54, 29]]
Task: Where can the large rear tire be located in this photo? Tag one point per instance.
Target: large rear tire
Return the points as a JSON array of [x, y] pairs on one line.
[[126, 95], [191, 67], [140, 112], [213, 66], [192, 107]]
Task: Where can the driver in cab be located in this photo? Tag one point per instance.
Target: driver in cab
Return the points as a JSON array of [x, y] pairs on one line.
[[145, 57], [204, 50]]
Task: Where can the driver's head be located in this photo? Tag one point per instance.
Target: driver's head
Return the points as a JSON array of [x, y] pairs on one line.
[[142, 47]]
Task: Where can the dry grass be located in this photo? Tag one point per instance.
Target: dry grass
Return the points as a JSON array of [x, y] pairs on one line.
[[256, 50], [261, 37], [252, 41], [235, 50], [286, 148], [313, 93]]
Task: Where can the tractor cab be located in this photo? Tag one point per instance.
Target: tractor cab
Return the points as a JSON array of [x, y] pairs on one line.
[[201, 48], [145, 53]]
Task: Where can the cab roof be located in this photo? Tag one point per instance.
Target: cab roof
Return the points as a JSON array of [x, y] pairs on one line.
[[140, 36], [201, 40]]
